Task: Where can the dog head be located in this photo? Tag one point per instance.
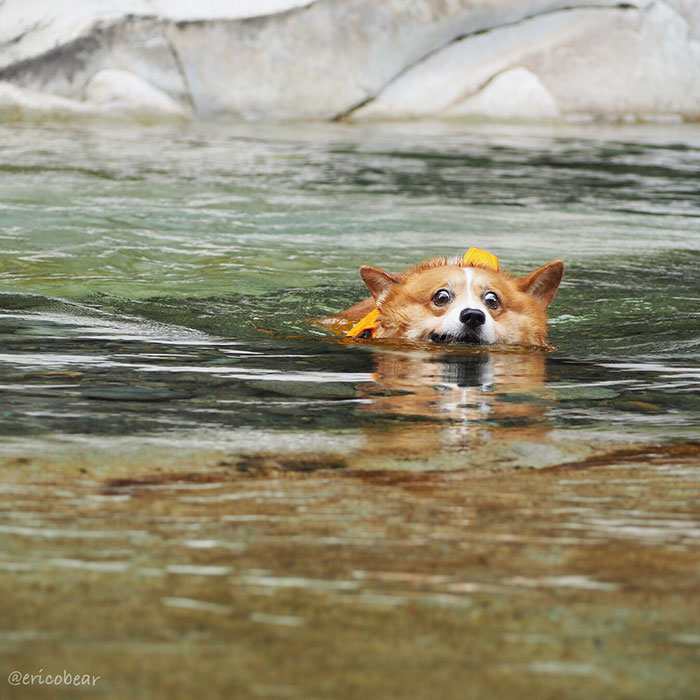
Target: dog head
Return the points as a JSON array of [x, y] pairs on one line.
[[448, 301]]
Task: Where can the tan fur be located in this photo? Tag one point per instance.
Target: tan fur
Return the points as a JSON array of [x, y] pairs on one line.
[[407, 309]]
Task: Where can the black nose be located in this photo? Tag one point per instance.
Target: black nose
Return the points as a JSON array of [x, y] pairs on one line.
[[472, 318]]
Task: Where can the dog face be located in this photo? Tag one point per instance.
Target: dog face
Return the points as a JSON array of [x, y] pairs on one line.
[[444, 301]]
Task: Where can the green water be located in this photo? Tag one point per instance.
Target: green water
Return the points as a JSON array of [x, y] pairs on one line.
[[158, 257], [156, 291]]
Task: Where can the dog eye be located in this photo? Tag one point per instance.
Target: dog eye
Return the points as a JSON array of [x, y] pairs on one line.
[[442, 297], [491, 300]]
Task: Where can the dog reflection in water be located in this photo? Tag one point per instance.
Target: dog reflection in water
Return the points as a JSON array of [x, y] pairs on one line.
[[457, 394], [454, 401]]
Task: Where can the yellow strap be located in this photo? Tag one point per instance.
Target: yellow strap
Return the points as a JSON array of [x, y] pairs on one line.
[[369, 321], [475, 257]]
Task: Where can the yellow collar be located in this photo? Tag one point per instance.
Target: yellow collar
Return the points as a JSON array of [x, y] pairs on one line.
[[367, 326]]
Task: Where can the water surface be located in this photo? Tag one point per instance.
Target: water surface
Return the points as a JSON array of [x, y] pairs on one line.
[[203, 490]]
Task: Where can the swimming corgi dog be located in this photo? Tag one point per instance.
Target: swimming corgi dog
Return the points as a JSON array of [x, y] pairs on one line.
[[466, 300]]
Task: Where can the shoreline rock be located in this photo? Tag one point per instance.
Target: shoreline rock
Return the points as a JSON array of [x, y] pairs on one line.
[[340, 59]]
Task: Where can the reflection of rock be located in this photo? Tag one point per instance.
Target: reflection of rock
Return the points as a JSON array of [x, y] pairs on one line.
[[325, 58]]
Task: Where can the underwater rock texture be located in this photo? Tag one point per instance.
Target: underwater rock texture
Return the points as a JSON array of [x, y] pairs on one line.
[[325, 59]]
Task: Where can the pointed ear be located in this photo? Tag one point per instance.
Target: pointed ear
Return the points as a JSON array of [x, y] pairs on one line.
[[379, 282], [543, 283]]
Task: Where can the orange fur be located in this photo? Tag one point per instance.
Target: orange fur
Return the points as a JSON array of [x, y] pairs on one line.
[[408, 310]]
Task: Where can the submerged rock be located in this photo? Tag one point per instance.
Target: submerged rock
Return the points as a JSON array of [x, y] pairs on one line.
[[326, 59]]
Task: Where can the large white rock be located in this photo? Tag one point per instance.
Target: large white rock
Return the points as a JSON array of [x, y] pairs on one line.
[[592, 62], [124, 93], [109, 93], [513, 94], [19, 104], [456, 72], [644, 64], [29, 28], [324, 59], [330, 57]]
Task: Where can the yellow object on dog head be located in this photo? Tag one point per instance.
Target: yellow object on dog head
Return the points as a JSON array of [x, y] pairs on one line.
[[367, 326], [475, 257]]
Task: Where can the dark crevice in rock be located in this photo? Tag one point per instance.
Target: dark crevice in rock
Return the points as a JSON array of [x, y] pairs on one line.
[[353, 108], [189, 95], [248, 19]]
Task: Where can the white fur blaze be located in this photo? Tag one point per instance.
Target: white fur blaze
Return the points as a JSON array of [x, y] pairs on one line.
[[469, 298]]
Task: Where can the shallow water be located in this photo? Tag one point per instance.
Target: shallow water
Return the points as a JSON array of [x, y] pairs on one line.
[[197, 478]]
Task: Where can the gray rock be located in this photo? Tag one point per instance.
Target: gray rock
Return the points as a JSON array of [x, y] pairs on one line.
[[323, 59], [305, 390]]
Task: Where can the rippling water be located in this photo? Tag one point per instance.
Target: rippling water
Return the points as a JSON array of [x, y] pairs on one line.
[[186, 456]]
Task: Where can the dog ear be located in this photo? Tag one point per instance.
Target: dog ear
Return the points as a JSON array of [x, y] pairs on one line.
[[543, 283], [379, 282]]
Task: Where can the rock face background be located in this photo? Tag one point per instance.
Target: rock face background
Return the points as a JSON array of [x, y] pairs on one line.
[[358, 59]]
